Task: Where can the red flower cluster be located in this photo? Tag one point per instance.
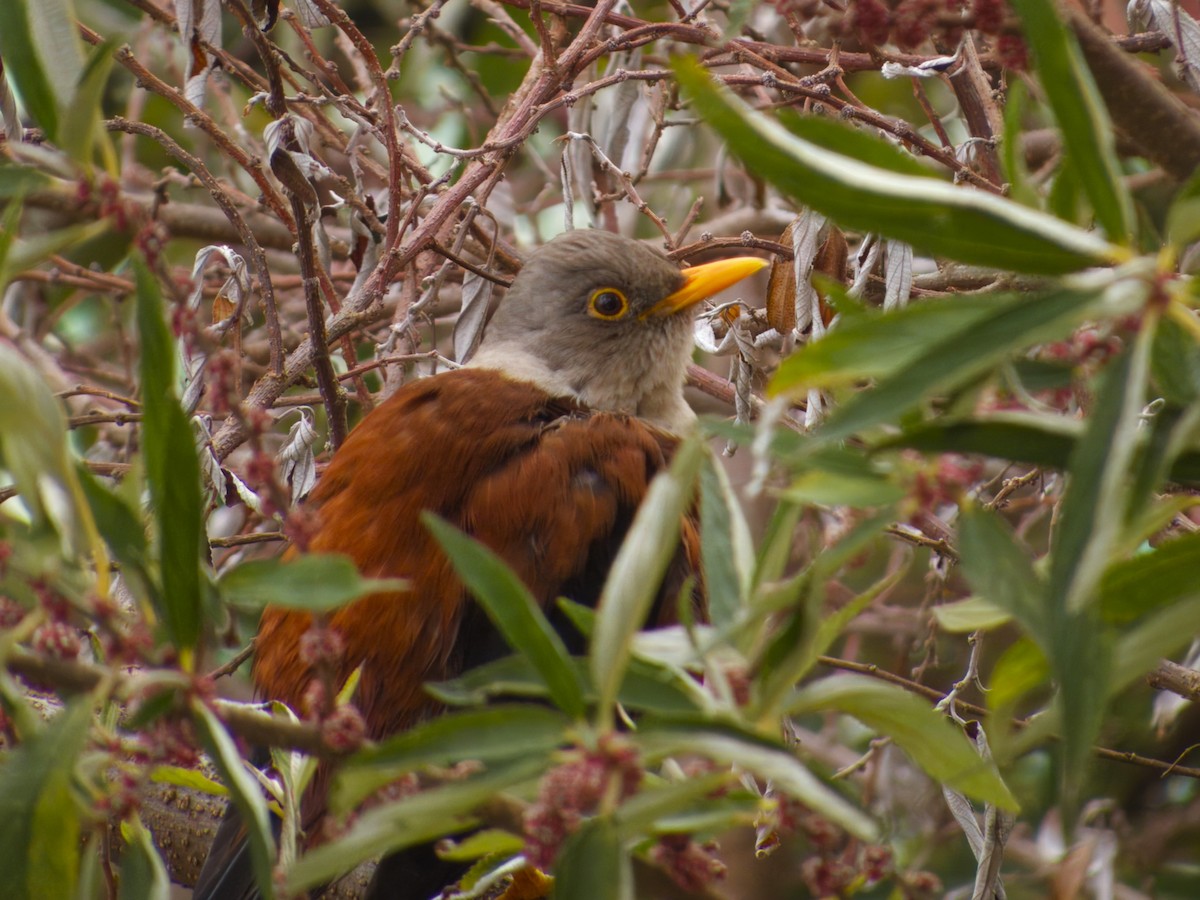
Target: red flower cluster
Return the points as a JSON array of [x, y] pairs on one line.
[[910, 23], [692, 866], [573, 791]]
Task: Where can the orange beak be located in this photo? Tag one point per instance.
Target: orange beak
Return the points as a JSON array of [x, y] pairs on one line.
[[701, 282]]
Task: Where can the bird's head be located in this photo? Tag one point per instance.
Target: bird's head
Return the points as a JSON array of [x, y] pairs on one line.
[[606, 320]]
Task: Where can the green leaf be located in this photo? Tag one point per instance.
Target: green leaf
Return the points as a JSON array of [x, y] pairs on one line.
[[593, 865], [487, 842], [15, 181], [833, 476], [1087, 132], [30, 251], [999, 570], [767, 760], [172, 472], [644, 810], [938, 218], [636, 573], [413, 820], [244, 793], [925, 734], [143, 875], [33, 448], [1080, 659], [855, 143], [494, 734], [972, 614], [1183, 219], [1162, 634], [188, 778], [806, 635], [1011, 157], [81, 124], [775, 549], [1020, 669], [23, 66], [1087, 533], [954, 361], [1094, 504], [646, 687], [1037, 440], [1175, 363], [1149, 582], [726, 549], [514, 612], [1169, 431], [123, 533], [879, 345], [315, 582], [39, 815]]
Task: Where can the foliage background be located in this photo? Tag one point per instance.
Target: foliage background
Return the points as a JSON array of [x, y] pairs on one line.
[[973, 486]]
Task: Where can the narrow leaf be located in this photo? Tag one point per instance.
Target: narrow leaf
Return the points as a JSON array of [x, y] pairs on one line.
[[971, 226], [957, 360], [972, 614], [1163, 634], [765, 760], [23, 66], [645, 688], [39, 815], [1087, 131], [1151, 581], [244, 793], [925, 734], [726, 550], [172, 471], [513, 610], [143, 875], [636, 573], [81, 123], [593, 865], [878, 345], [316, 582], [999, 570], [494, 734], [1093, 507], [413, 820]]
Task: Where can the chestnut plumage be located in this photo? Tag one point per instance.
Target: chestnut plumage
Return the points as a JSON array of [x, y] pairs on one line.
[[542, 449]]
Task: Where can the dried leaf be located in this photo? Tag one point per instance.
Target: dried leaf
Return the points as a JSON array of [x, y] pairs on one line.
[[1173, 20], [832, 261], [781, 289], [791, 297], [310, 15], [898, 275], [468, 328], [199, 24], [299, 465]]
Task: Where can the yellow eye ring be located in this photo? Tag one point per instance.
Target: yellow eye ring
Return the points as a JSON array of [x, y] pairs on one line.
[[607, 303]]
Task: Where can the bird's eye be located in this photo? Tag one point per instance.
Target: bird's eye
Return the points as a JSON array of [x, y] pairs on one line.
[[608, 303]]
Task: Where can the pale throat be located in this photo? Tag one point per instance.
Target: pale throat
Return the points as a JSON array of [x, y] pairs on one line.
[[656, 397]]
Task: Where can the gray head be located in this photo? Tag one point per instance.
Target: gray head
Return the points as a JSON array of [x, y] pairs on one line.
[[606, 320]]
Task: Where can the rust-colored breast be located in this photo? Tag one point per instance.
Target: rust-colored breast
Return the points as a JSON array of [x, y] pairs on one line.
[[549, 487]]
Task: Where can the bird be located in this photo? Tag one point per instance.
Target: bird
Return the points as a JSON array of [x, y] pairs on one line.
[[542, 448]]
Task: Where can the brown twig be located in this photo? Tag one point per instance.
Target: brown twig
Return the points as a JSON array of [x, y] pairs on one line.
[[258, 258]]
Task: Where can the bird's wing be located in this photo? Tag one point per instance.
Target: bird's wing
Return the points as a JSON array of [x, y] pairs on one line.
[[549, 487]]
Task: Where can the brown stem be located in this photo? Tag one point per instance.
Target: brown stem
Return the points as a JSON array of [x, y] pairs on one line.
[[1162, 128]]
